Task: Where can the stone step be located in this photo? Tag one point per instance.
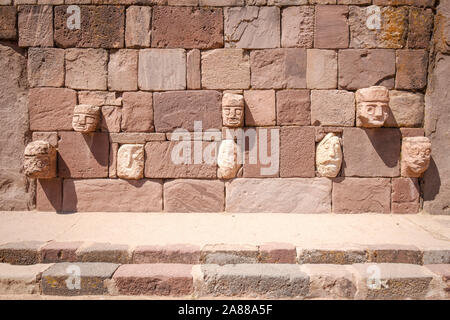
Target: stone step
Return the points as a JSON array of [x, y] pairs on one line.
[[275, 281]]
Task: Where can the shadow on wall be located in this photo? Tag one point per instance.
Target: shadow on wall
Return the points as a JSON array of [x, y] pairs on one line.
[[390, 159], [431, 182]]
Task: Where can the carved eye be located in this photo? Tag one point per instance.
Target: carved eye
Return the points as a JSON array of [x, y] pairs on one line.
[[238, 112], [76, 117], [90, 120], [226, 111], [370, 109]]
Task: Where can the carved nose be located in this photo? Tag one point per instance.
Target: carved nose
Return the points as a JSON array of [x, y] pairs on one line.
[[378, 111], [82, 119]]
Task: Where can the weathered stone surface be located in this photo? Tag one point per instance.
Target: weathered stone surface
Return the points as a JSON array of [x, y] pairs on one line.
[[259, 108], [45, 67], [322, 69], [161, 161], [172, 253], [83, 156], [154, 279], [50, 137], [419, 28], [223, 254], [180, 27], [103, 252], [111, 118], [112, 165], [282, 3], [20, 279], [113, 195], [137, 112], [411, 69], [181, 109], [229, 160], [51, 108], [85, 118], [138, 137], [194, 196], [8, 18], [417, 3], [395, 253], [277, 253], [371, 152], [193, 64], [297, 152], [221, 3], [59, 252], [331, 27], [122, 70], [337, 255], [233, 110], [100, 27], [361, 195], [332, 108], [297, 27], [23, 253], [225, 69], [130, 161], [35, 25], [372, 107], [61, 279], [279, 195], [436, 256], [412, 132], [40, 160], [278, 68], [293, 107], [86, 69], [365, 68], [138, 27], [441, 34], [162, 69], [407, 109], [252, 27], [329, 156], [183, 3], [49, 195], [416, 156], [389, 31], [405, 195], [15, 192], [252, 280], [99, 98]]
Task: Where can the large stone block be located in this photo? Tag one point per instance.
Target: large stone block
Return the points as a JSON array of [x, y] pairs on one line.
[[122, 70], [60, 251], [332, 108], [259, 108], [183, 27], [297, 152], [49, 195], [45, 67], [193, 70], [103, 252], [278, 68], [86, 69], [113, 195], [331, 27], [35, 25], [407, 109], [51, 108], [293, 107], [194, 196], [23, 253], [405, 195], [100, 27], [252, 27], [171, 253], [365, 68], [225, 69], [279, 195], [8, 18], [322, 69], [411, 69], [15, 280], [181, 109], [420, 27], [371, 152], [137, 112], [162, 69], [297, 27], [138, 26], [223, 254], [361, 195]]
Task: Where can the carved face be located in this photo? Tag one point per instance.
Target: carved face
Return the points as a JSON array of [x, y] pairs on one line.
[[130, 161], [85, 118], [416, 156], [372, 106], [232, 110], [228, 160], [40, 160], [329, 156]]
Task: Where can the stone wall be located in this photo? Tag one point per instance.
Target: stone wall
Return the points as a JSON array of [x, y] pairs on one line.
[[155, 66]]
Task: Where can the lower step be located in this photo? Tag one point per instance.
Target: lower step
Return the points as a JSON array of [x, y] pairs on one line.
[[273, 281]]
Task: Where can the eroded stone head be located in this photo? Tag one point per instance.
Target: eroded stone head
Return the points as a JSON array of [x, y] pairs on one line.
[[228, 160], [85, 118], [329, 156], [232, 110], [130, 161], [416, 156], [40, 160], [372, 106]]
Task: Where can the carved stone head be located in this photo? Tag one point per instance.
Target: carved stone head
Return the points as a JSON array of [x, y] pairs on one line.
[[416, 155], [85, 118], [232, 110], [40, 160], [329, 156], [130, 161], [372, 107], [228, 160]]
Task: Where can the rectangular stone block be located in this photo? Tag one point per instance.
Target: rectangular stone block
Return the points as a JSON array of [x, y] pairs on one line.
[[193, 66], [35, 25], [50, 137], [419, 28], [103, 252], [99, 98], [405, 195], [163, 162], [122, 70], [364, 68], [331, 27], [412, 68], [23, 253], [278, 68], [407, 109], [394, 253], [49, 195], [154, 279], [137, 112], [181, 27], [86, 69], [112, 195], [279, 195], [51, 108], [60, 280], [180, 110], [297, 152], [100, 27], [223, 254], [83, 156], [322, 69], [162, 69], [332, 108], [259, 108], [436, 256], [45, 67], [277, 253], [293, 107], [138, 138], [138, 26], [225, 69], [221, 3], [297, 27], [8, 18], [171, 253], [361, 195], [182, 195], [111, 117], [60, 252], [339, 255], [371, 152], [18, 280]]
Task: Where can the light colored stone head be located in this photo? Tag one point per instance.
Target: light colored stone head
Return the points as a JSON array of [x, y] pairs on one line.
[[232, 110], [416, 155], [85, 118], [228, 160], [130, 161], [329, 156], [372, 106], [40, 160]]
